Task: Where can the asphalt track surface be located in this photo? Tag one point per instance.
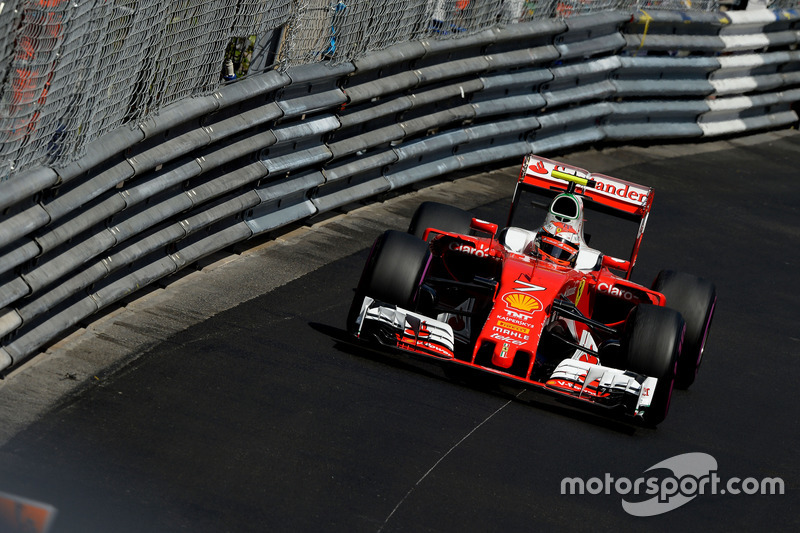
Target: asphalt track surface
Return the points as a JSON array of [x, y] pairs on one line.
[[260, 418]]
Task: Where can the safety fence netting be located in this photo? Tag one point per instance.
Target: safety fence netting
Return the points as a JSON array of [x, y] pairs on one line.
[[74, 70]]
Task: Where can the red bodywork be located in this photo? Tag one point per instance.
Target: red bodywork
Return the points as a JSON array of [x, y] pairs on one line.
[[499, 308], [525, 295], [523, 302]]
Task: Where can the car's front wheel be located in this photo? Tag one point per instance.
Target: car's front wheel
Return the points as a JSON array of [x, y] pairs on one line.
[[695, 299], [439, 216], [652, 343], [392, 274]]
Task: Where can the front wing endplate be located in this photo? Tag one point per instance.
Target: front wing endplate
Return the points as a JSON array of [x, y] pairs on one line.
[[391, 325], [581, 378]]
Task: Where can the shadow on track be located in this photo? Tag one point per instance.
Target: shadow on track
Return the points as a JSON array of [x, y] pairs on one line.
[[474, 379]]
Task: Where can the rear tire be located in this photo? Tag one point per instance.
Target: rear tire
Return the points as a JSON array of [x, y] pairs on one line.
[[695, 299], [652, 342], [439, 216], [392, 274]]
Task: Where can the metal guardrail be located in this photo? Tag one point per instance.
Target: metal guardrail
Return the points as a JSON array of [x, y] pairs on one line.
[[277, 148]]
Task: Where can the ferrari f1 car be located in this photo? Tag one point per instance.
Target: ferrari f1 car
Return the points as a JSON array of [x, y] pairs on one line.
[[539, 306]]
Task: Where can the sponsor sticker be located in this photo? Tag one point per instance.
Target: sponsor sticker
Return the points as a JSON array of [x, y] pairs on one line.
[[513, 327], [513, 319], [538, 168], [419, 346], [522, 302], [581, 287], [624, 191], [480, 250], [507, 339], [613, 290], [514, 316], [509, 333], [574, 386]]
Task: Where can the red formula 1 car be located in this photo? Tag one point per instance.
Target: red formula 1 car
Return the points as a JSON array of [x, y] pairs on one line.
[[539, 306]]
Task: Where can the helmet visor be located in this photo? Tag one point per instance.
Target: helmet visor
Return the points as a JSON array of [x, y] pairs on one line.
[[559, 250]]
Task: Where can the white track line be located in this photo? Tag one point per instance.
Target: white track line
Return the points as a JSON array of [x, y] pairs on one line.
[[456, 445]]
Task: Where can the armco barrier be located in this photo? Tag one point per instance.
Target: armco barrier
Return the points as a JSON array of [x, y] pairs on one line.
[[277, 148]]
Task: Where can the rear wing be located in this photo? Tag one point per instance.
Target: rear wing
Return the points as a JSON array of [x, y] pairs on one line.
[[619, 197]]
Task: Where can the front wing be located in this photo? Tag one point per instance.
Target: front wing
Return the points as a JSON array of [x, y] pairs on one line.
[[573, 378], [398, 328]]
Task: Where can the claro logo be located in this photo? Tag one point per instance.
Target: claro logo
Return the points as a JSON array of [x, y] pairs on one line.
[[467, 249], [613, 290]]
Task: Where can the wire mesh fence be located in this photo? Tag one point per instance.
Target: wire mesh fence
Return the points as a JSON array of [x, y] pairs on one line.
[[74, 70]]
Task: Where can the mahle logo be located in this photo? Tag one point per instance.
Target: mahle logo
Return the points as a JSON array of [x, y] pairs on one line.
[[692, 474]]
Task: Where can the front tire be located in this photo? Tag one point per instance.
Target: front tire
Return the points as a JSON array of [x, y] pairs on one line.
[[392, 274], [695, 299], [652, 342], [439, 216]]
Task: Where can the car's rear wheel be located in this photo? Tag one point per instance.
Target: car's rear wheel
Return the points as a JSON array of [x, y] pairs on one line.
[[695, 299], [652, 343], [392, 274], [439, 216]]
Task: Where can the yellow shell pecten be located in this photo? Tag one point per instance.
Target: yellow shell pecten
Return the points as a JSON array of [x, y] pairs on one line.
[[522, 302]]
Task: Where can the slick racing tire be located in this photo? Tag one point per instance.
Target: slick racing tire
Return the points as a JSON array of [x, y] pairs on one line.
[[393, 273], [652, 343], [439, 216], [694, 298]]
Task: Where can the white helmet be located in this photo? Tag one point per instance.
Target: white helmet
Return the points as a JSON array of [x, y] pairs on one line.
[[557, 242]]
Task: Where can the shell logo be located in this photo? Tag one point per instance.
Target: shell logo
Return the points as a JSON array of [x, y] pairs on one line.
[[522, 302]]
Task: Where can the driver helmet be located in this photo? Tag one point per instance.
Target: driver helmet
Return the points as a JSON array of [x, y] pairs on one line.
[[557, 242], [567, 208]]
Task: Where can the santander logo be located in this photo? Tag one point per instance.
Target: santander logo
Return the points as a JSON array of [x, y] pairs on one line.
[[538, 168], [626, 192], [605, 185]]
